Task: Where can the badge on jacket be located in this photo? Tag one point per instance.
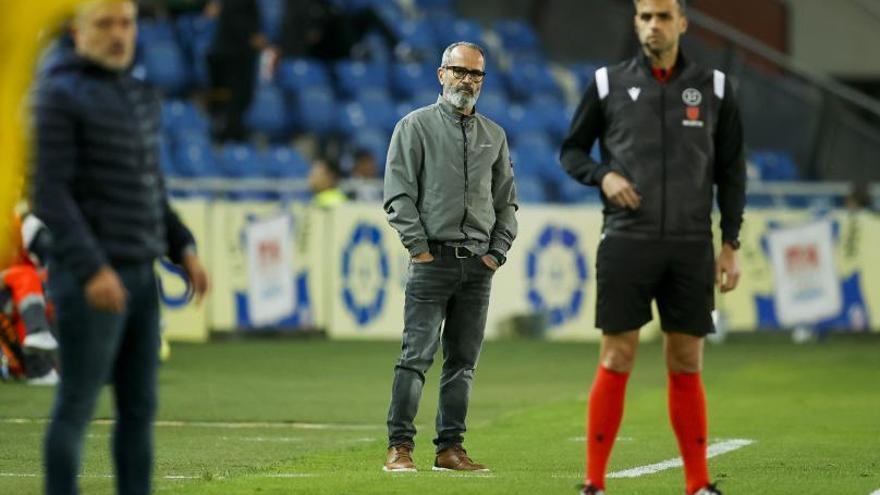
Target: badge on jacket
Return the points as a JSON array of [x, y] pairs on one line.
[[692, 99]]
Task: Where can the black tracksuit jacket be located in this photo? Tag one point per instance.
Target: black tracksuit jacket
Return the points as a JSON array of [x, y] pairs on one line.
[[672, 140]]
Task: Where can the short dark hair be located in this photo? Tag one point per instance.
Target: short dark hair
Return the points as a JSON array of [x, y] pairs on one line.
[[682, 4]]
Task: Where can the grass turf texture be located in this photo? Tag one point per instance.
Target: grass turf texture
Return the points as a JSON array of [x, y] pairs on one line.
[[813, 411]]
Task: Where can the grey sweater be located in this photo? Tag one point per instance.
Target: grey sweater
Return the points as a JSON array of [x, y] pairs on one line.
[[449, 179]]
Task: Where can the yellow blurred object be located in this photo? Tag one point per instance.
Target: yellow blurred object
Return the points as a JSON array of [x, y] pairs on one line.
[[25, 27]]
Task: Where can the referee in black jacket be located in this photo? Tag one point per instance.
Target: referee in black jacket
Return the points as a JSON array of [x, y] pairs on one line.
[[669, 132], [99, 189]]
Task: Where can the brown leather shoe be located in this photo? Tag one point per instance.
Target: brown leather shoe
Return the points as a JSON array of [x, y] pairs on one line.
[[455, 458], [399, 459]]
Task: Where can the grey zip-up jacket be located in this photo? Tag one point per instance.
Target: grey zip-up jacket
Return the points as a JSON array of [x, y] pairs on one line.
[[449, 179]]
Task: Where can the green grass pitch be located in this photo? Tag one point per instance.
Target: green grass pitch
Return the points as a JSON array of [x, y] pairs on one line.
[[307, 417]]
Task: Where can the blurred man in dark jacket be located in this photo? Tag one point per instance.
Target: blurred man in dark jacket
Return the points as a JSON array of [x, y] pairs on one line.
[[99, 190]]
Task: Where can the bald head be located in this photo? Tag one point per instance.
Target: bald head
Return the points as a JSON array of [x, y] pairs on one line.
[[104, 32]]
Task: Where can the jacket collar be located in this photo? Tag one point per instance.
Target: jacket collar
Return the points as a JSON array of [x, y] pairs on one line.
[[450, 111], [680, 64]]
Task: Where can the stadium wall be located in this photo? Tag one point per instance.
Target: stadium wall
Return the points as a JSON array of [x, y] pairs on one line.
[[349, 272]]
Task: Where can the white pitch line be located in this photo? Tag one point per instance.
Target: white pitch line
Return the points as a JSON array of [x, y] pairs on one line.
[[713, 450], [876, 492], [101, 476], [224, 424]]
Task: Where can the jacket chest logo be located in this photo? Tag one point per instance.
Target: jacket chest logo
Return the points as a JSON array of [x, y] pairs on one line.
[[692, 99], [634, 92]]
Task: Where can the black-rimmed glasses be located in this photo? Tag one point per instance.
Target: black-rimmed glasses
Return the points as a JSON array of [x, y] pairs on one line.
[[462, 72]]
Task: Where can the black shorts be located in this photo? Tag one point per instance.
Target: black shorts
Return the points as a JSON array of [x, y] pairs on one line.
[[680, 275]]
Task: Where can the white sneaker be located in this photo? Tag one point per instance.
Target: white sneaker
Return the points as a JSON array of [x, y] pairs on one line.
[[43, 341], [49, 379]]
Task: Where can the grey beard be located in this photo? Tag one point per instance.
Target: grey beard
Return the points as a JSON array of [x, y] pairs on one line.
[[460, 99]]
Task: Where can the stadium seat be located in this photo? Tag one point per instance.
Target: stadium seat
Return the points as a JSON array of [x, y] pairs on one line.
[[267, 113], [355, 76], [271, 18], [195, 159], [408, 80], [375, 141], [370, 109], [775, 165], [196, 33], [164, 66], [532, 77], [530, 189], [519, 121], [284, 162], [416, 39], [240, 161], [517, 35], [447, 32], [294, 74], [181, 116], [316, 110]]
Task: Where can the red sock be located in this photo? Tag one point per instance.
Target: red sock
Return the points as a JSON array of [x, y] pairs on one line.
[[687, 412], [604, 412]]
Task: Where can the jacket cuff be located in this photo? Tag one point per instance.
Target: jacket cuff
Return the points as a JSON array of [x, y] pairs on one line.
[[87, 269], [499, 245], [418, 247], [599, 174]]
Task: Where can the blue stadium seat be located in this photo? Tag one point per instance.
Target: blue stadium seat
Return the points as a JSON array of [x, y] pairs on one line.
[[519, 121], [460, 29], [405, 107], [517, 35], [195, 159], [164, 65], [532, 77], [294, 74], [267, 113], [416, 38], [196, 33], [572, 191], [494, 105], [285, 162], [775, 165], [584, 73], [375, 141], [271, 17], [530, 189], [370, 109], [495, 80], [181, 116], [354, 76], [316, 110], [153, 31], [410, 79], [240, 160]]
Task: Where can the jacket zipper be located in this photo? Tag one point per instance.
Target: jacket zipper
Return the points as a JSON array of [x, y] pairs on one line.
[[663, 161], [464, 216]]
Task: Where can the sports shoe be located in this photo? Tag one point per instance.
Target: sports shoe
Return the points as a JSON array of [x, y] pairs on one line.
[[399, 459], [49, 379], [43, 341], [455, 458], [589, 489], [709, 489]]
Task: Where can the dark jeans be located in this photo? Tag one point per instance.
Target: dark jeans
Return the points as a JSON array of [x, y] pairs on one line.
[[98, 347], [457, 291]]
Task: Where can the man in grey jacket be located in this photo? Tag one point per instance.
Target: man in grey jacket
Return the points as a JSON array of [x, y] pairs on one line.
[[449, 193]]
